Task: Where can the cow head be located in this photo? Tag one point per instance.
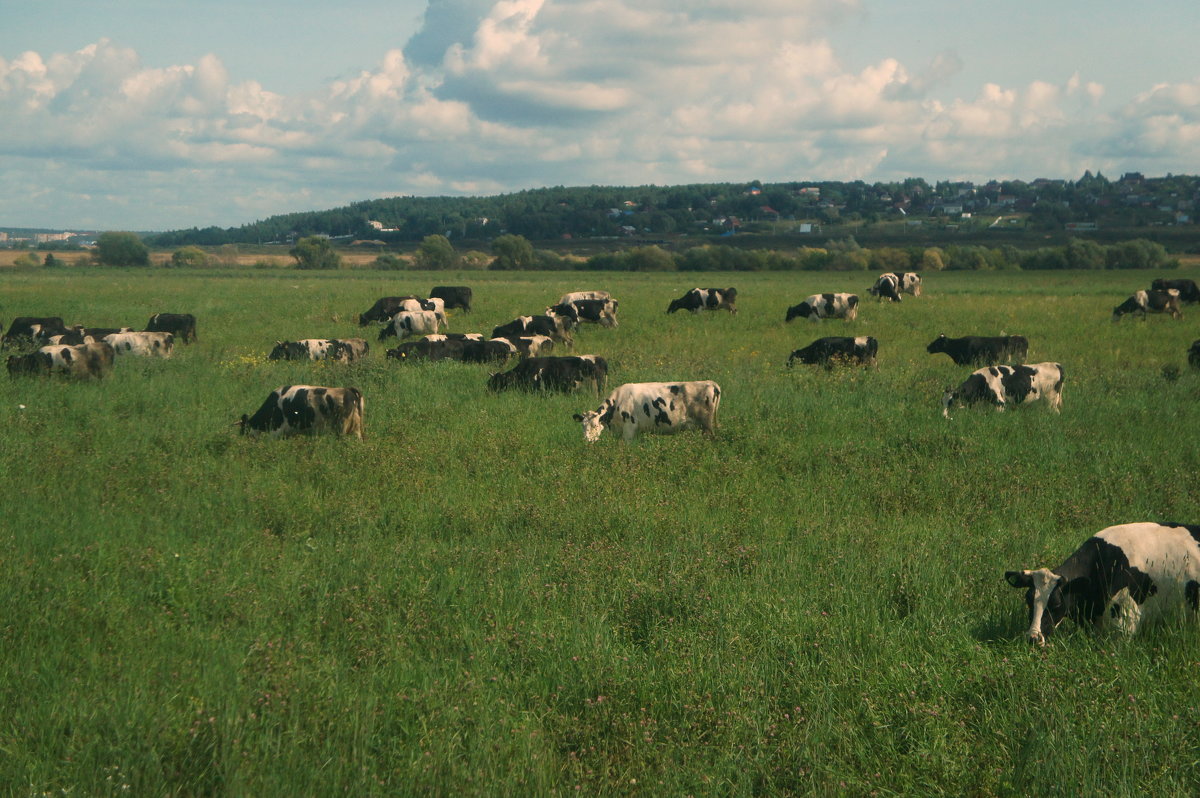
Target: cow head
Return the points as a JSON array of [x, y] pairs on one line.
[[677, 304], [592, 425], [363, 320], [287, 350], [1048, 597], [802, 311], [937, 345]]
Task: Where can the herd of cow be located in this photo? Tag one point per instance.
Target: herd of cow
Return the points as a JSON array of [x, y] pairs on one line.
[[1118, 578]]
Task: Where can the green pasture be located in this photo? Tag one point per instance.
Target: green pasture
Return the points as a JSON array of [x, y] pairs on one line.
[[473, 601]]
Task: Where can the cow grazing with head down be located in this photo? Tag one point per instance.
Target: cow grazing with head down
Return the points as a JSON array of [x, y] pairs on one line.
[[345, 350], [827, 351], [654, 407], [1189, 292], [386, 307], [410, 351], [453, 296], [557, 328], [825, 306], [1120, 578], [1002, 386], [563, 374], [978, 350], [891, 285], [142, 344], [699, 299], [308, 409], [1194, 355], [82, 360], [181, 325], [594, 311], [1143, 302], [27, 329], [576, 296], [406, 323]]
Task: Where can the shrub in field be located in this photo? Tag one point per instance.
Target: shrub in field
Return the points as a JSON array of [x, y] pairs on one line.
[[315, 252], [121, 249]]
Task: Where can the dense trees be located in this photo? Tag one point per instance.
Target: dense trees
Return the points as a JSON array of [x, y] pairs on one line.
[[121, 249], [315, 252]]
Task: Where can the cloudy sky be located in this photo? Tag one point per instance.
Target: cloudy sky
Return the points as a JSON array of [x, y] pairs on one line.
[[158, 114]]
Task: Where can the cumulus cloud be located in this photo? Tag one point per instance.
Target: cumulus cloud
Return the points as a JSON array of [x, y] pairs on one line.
[[498, 95]]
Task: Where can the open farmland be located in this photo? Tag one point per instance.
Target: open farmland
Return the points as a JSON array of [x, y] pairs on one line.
[[474, 601]]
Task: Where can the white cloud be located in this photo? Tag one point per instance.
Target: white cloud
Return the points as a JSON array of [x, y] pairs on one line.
[[502, 95]]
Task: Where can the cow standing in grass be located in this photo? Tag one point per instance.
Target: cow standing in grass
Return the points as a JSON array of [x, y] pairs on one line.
[[1144, 302], [1001, 386], [1118, 579], [654, 407], [308, 409]]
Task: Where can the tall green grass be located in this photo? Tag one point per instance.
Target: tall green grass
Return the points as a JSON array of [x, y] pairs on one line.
[[473, 600]]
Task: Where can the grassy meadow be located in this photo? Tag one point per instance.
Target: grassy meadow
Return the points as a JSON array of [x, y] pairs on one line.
[[474, 601]]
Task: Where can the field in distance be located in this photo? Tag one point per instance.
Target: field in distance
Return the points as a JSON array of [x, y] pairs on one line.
[[473, 600]]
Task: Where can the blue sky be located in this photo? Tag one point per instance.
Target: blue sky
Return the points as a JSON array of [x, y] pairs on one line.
[[157, 114]]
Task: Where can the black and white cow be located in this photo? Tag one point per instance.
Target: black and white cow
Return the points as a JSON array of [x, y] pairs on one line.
[[1189, 292], [530, 345], [492, 351], [453, 337], [1002, 386], [1194, 355], [308, 409], [978, 350], [705, 299], [388, 306], [408, 322], [1143, 302], [27, 329], [826, 306], [827, 351], [595, 311], [638, 407], [1120, 578], [78, 334], [142, 344], [82, 360], [575, 296], [449, 349], [343, 349], [557, 328], [181, 325], [453, 296], [891, 285], [563, 374]]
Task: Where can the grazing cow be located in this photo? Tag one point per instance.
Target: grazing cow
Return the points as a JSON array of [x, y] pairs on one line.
[[81, 335], [977, 350], [705, 299], [343, 349], [27, 328], [82, 360], [497, 349], [529, 345], [308, 409], [1119, 578], [891, 285], [556, 327], [454, 296], [1194, 355], [407, 322], [388, 306], [575, 296], [428, 350], [595, 311], [1143, 302], [145, 344], [563, 374], [826, 306], [825, 351], [181, 325], [1189, 292], [1005, 385], [653, 407], [453, 337]]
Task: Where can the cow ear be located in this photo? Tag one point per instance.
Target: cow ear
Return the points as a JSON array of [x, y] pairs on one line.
[[1018, 578]]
